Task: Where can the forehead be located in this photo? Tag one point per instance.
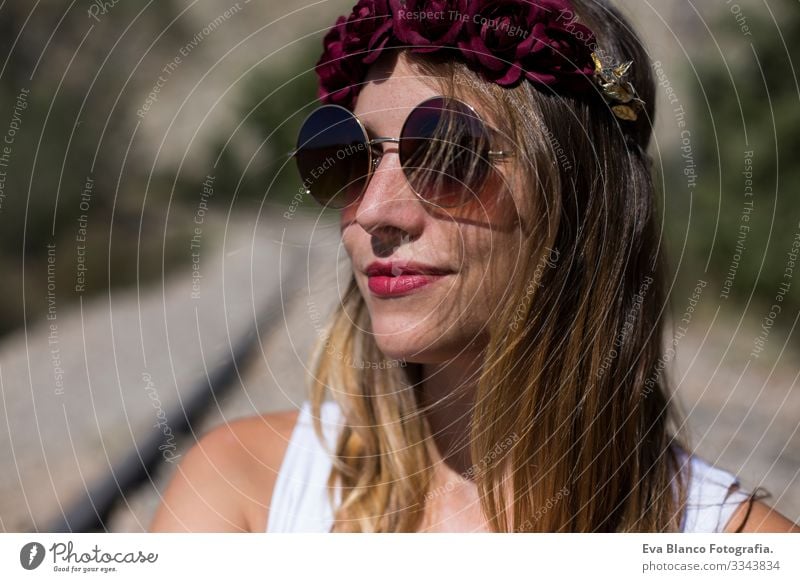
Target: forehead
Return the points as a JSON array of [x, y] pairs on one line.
[[392, 89], [393, 86]]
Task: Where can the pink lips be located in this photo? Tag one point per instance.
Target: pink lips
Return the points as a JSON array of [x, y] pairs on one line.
[[396, 278]]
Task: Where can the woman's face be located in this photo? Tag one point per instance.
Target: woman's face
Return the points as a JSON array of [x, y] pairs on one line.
[[423, 271]]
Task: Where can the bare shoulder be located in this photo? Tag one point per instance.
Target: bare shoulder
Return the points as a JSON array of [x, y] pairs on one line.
[[762, 518], [225, 481]]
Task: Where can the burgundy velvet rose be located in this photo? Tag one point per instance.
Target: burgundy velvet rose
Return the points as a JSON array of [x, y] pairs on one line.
[[508, 40], [368, 28], [338, 71], [350, 46], [511, 40], [562, 55], [428, 25], [497, 36]]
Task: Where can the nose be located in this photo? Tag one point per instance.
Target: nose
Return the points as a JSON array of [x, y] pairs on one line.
[[389, 210]]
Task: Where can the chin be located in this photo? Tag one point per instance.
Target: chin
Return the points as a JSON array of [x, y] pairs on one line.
[[417, 328], [399, 338], [396, 351]]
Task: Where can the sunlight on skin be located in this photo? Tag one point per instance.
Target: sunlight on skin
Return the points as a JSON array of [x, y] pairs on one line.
[[441, 320]]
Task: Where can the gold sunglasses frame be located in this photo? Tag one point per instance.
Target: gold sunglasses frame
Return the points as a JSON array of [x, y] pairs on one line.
[[375, 159]]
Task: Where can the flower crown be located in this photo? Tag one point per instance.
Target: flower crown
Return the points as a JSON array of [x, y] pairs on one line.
[[506, 40]]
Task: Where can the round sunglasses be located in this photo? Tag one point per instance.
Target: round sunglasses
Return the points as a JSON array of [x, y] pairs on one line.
[[444, 149]]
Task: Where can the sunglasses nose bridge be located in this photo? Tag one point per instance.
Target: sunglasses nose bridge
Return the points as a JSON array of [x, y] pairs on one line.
[[377, 152], [382, 192]]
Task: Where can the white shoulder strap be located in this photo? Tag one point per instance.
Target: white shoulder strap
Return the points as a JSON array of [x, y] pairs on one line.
[[300, 501], [710, 505]]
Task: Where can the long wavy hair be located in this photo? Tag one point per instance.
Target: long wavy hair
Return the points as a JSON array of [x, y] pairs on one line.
[[572, 420]]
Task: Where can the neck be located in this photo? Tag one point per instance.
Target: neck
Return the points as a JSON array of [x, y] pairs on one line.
[[447, 397]]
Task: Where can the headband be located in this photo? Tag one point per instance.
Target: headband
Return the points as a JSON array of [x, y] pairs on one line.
[[507, 41]]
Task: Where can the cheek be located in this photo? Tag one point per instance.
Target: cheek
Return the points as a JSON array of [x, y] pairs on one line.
[[491, 258], [484, 249]]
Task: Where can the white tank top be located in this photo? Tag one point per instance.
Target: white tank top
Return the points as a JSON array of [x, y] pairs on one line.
[[300, 500]]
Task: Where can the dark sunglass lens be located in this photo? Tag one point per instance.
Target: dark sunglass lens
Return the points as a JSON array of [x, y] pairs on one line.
[[444, 152], [332, 156]]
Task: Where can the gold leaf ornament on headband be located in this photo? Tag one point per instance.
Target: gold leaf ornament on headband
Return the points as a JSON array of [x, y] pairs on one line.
[[616, 91]]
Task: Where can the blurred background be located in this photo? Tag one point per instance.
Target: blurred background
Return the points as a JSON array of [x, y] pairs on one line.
[[160, 275]]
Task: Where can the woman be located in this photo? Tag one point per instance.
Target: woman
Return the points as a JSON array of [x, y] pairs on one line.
[[494, 362]]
